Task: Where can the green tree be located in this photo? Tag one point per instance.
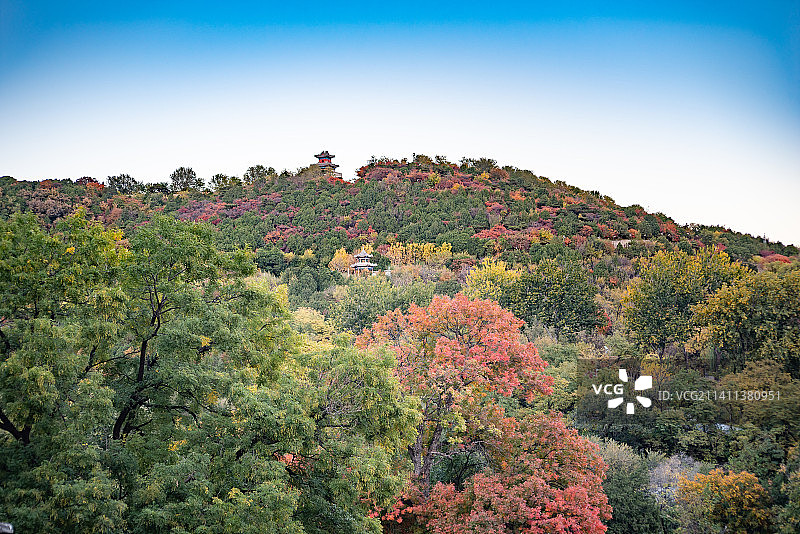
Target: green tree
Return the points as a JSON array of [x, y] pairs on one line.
[[419, 293], [271, 260], [788, 517], [58, 305], [124, 184], [658, 305], [558, 295], [478, 165], [361, 423], [364, 301], [184, 179], [157, 187], [163, 393], [635, 511], [173, 273], [780, 412], [256, 173], [303, 286], [220, 182]]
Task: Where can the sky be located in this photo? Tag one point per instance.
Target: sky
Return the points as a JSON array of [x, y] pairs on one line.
[[691, 109]]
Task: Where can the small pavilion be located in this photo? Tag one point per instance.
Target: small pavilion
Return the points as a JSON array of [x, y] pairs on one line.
[[363, 265], [325, 163]]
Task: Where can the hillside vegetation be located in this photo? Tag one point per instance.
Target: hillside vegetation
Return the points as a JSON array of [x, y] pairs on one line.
[[192, 357]]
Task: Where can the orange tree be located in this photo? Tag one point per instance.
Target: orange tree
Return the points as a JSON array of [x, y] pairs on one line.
[[481, 461]]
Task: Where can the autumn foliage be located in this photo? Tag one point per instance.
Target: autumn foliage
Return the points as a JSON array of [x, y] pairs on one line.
[[545, 479], [458, 349], [734, 501], [460, 357]]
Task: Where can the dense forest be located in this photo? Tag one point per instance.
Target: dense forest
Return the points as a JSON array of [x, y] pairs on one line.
[[199, 356]]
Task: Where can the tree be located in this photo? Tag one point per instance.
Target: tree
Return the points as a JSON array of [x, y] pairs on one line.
[[303, 286], [419, 159], [558, 295], [47, 283], [157, 187], [124, 184], [788, 519], [364, 301], [184, 179], [635, 510], [547, 479], [361, 423], [658, 305], [780, 412], [448, 353], [493, 279], [478, 165], [163, 393], [271, 260], [173, 273], [221, 182], [57, 304], [341, 261], [86, 180], [733, 502], [465, 361], [755, 317], [256, 173], [428, 253]]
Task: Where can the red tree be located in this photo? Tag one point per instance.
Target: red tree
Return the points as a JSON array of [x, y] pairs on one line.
[[460, 357], [545, 479]]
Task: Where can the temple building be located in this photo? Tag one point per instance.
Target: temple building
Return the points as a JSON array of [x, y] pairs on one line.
[[326, 165], [362, 264]]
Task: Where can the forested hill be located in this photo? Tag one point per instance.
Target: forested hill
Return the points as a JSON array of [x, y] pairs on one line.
[[153, 380], [477, 207]]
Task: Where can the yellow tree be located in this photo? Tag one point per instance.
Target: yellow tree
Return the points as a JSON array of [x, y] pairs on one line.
[[490, 280], [441, 254], [658, 304], [429, 253], [396, 253], [341, 261], [756, 317], [734, 501]]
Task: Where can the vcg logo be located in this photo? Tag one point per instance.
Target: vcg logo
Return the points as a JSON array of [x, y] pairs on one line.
[[642, 383]]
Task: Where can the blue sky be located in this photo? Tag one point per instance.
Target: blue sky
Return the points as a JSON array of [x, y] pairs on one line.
[[688, 108]]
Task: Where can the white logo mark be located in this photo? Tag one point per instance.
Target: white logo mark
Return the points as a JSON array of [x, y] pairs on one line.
[[642, 383]]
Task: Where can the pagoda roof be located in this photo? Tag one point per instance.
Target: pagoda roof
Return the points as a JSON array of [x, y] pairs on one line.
[[362, 254], [324, 154]]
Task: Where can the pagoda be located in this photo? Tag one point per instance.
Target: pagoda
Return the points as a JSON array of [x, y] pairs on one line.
[[362, 264], [325, 163]]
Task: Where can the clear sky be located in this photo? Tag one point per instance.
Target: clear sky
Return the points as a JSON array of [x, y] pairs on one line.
[[688, 108]]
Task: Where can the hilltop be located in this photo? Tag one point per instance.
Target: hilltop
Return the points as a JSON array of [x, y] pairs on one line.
[[481, 209]]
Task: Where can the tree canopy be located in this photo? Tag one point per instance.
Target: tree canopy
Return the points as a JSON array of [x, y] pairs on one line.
[[162, 392], [472, 457]]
